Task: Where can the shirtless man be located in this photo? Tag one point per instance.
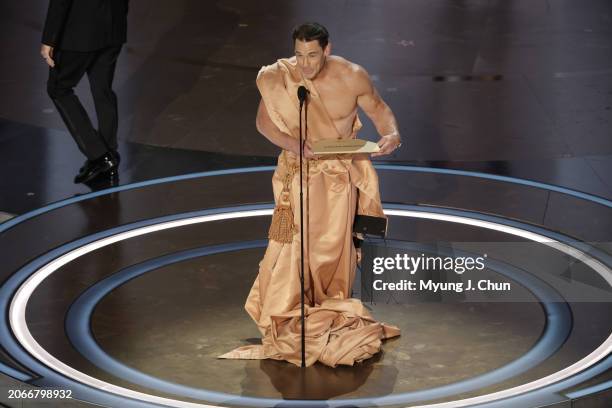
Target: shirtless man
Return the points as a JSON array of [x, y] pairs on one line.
[[343, 87], [341, 188]]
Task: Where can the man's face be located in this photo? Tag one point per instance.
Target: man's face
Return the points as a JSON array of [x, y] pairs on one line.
[[310, 57]]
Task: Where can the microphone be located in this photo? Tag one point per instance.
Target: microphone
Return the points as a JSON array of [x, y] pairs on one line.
[[302, 93]]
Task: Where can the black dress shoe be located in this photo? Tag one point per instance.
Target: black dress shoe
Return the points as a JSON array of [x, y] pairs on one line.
[[84, 165], [107, 165], [103, 181], [83, 170], [116, 155]]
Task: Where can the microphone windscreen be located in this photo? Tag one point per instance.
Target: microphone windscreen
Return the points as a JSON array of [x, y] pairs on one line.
[[302, 92]]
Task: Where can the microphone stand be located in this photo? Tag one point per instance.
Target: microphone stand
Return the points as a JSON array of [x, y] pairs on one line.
[[302, 97]]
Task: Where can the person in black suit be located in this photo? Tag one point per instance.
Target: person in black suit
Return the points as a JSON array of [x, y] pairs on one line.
[[86, 37]]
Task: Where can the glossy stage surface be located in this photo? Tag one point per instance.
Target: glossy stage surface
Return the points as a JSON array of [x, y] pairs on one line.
[[140, 302], [126, 295]]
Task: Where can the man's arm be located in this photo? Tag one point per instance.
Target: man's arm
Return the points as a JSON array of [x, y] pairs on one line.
[[266, 127], [378, 111], [54, 23]]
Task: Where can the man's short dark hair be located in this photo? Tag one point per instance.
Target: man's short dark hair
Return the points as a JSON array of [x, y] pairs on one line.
[[310, 32]]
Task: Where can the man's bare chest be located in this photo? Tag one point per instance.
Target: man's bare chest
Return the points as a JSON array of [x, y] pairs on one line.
[[338, 99]]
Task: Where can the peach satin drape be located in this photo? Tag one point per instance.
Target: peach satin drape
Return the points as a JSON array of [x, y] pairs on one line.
[[339, 330]]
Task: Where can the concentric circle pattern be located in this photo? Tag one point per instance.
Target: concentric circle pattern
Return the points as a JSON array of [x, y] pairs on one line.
[[132, 309]]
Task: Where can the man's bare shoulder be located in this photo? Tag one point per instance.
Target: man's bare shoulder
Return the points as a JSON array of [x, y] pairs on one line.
[[351, 73]]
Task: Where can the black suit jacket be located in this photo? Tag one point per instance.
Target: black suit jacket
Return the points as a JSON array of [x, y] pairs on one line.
[[85, 25]]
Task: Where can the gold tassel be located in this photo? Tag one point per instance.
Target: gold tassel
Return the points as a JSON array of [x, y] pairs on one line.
[[281, 228]]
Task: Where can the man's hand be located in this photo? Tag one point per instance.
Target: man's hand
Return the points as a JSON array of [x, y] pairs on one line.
[[388, 144], [47, 53], [308, 152], [295, 149]]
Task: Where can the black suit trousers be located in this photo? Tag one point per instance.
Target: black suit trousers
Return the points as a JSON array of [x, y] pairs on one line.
[[70, 67]]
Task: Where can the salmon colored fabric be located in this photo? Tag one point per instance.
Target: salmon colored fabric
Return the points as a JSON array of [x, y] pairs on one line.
[[339, 330]]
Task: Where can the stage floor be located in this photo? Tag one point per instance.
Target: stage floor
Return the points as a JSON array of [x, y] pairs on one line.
[[127, 294], [145, 298]]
